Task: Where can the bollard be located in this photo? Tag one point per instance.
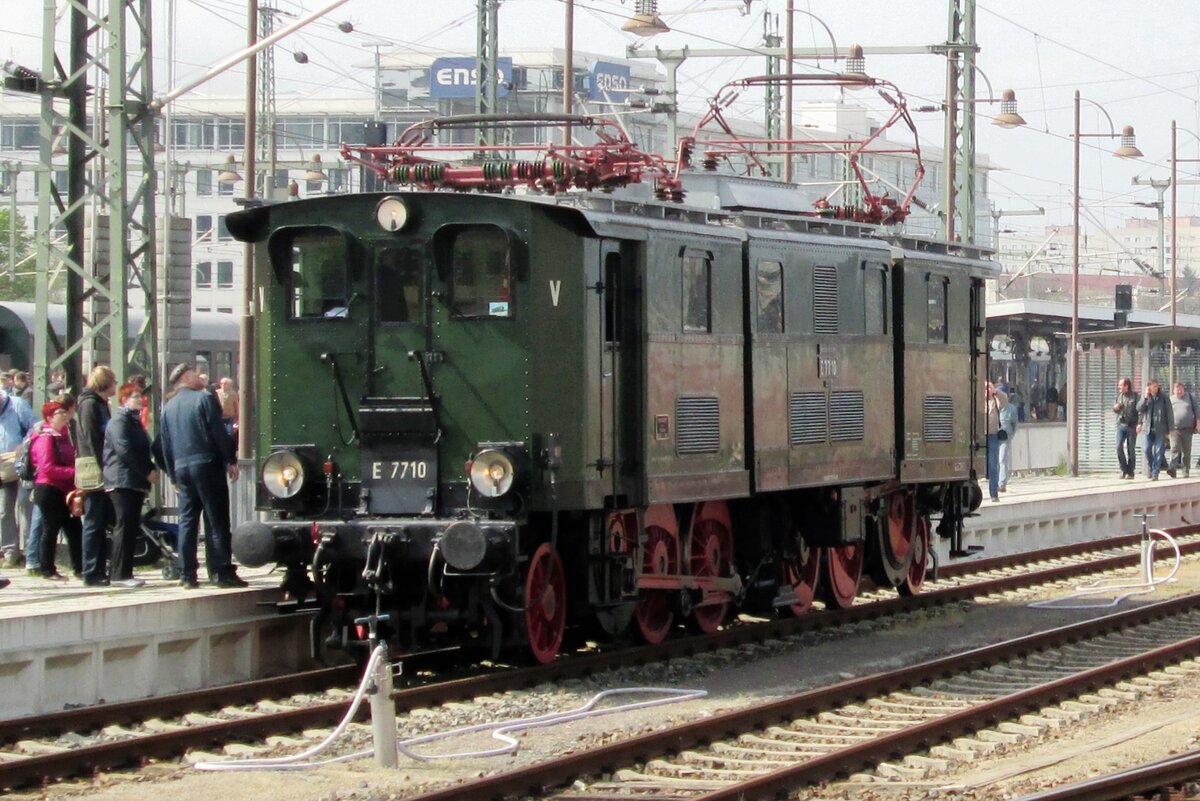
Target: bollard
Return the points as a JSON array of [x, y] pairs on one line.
[[383, 714]]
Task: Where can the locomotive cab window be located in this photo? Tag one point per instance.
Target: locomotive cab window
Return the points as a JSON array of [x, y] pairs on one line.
[[697, 291], [770, 297], [477, 261], [398, 294], [313, 264], [939, 308]]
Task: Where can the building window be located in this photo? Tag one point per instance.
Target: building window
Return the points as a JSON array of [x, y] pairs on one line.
[[203, 309], [223, 234], [204, 275], [224, 274], [225, 309], [204, 182], [338, 179], [225, 188], [204, 227], [312, 187]]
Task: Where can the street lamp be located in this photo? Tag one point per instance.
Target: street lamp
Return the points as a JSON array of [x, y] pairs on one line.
[[645, 20], [1127, 150]]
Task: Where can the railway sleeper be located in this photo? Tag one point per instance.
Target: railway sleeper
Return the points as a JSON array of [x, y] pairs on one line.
[[857, 723], [999, 737], [823, 732], [954, 753], [632, 779], [1042, 720], [771, 748], [890, 770], [1022, 729], [977, 745], [722, 761], [809, 748], [705, 770], [898, 702]]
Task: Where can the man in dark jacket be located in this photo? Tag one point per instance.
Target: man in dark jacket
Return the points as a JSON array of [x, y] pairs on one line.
[[128, 474], [1156, 422], [1125, 408], [199, 453], [93, 417]]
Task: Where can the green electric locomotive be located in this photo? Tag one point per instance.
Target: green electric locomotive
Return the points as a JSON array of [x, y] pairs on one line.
[[493, 416]]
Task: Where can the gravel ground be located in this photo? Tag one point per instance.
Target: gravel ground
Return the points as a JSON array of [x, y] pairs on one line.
[[734, 678]]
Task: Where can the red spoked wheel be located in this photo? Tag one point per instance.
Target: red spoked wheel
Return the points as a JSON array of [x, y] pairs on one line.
[[710, 555], [802, 572], [843, 571], [660, 556], [545, 604], [898, 540], [920, 559]]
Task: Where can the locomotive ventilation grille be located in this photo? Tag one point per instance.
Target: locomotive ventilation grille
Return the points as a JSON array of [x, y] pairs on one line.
[[698, 425], [825, 300], [846, 416], [938, 422], [808, 418]]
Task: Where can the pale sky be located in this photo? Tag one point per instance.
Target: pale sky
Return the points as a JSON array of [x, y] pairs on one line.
[[1139, 63]]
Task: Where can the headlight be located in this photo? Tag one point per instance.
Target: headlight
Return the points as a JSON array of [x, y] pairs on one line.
[[492, 473], [283, 474]]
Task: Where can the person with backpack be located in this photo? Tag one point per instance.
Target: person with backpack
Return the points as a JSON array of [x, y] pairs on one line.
[[16, 419], [54, 459]]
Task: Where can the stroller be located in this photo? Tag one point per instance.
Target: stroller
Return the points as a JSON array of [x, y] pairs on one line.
[[157, 544]]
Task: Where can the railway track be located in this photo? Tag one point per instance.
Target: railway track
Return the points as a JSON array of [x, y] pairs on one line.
[[1161, 780], [120, 744], [949, 708]]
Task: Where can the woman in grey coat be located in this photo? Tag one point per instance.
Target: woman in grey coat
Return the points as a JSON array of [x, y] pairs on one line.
[[128, 474]]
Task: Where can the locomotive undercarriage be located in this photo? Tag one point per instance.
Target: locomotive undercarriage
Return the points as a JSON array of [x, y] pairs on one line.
[[505, 588], [649, 568]]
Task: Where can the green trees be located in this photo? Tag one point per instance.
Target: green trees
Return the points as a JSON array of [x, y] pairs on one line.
[[18, 286]]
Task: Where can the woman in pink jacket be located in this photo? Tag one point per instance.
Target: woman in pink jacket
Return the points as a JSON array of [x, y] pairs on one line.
[[54, 457]]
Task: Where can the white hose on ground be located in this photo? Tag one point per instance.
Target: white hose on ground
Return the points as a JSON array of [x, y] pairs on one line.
[[1104, 586], [502, 730]]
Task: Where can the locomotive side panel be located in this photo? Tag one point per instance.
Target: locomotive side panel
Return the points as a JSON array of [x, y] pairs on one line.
[[936, 372], [840, 387], [695, 438], [774, 318]]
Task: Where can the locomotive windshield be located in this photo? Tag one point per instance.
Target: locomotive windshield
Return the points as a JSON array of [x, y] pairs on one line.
[[317, 279], [480, 269]]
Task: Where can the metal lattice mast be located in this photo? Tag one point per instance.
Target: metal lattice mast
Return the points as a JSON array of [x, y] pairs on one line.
[[487, 61], [265, 135], [113, 42], [959, 156], [774, 93]]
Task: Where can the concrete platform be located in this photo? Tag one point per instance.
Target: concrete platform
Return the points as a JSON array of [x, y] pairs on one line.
[[1046, 511], [63, 644]]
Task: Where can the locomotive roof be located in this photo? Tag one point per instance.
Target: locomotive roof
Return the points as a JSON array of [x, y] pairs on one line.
[[635, 215]]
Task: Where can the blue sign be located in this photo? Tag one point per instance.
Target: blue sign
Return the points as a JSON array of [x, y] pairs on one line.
[[455, 77], [611, 78]]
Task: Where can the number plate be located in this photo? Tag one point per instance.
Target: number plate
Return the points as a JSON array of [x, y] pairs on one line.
[[400, 478]]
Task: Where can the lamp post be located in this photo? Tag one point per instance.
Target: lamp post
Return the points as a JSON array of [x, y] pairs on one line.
[[1174, 181], [789, 45], [1127, 150]]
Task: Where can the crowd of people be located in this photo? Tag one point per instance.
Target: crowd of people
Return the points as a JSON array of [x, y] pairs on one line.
[[1162, 421], [87, 466]]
